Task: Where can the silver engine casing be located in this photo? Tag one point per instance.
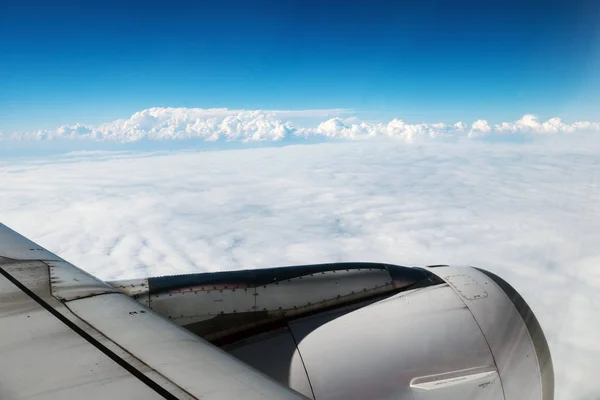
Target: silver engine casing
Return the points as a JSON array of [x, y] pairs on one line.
[[351, 331], [472, 337]]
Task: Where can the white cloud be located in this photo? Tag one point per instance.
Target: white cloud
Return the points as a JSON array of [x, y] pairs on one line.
[[531, 124], [210, 125], [396, 128], [529, 213], [170, 123], [479, 128]]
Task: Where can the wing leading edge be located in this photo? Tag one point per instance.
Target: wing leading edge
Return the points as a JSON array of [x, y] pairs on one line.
[[66, 334]]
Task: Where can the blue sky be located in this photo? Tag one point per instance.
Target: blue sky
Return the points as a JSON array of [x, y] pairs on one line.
[[423, 61]]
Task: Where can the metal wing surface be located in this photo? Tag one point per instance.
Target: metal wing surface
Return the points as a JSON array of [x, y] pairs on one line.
[[65, 334]]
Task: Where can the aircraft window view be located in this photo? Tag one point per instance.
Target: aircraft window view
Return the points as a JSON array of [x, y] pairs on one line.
[[307, 199]]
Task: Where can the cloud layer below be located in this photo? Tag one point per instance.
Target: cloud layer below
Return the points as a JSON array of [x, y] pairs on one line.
[[529, 213], [212, 125]]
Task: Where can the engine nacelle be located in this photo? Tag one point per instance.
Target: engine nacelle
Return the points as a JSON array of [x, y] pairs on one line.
[[367, 331], [471, 337]]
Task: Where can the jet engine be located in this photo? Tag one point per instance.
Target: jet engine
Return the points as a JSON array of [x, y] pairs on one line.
[[366, 330]]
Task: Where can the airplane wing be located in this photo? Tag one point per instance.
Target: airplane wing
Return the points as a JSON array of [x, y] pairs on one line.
[[66, 335]]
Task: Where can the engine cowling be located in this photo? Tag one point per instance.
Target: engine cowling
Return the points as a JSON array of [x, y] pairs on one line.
[[420, 334], [471, 337]]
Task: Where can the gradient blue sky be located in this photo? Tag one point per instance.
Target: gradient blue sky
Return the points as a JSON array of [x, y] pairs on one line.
[[423, 61]]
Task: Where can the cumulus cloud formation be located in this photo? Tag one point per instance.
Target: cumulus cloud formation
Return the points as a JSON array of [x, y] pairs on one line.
[[396, 128], [479, 128], [211, 125], [528, 213], [178, 123], [531, 124]]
